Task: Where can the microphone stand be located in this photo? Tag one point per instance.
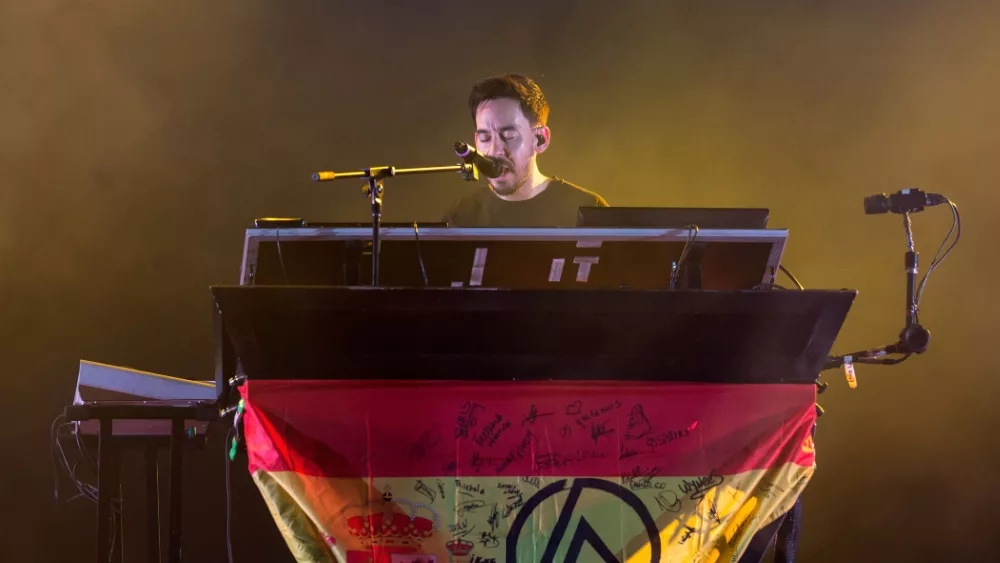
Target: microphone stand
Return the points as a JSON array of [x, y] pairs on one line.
[[375, 189], [914, 338]]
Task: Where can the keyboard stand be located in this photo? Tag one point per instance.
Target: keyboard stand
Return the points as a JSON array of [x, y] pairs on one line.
[[108, 464]]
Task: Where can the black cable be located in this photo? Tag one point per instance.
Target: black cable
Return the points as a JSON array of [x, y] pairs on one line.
[[52, 452], [956, 227], [420, 256], [281, 259], [83, 452], [791, 277], [84, 490], [885, 361], [675, 274], [863, 357], [61, 460]]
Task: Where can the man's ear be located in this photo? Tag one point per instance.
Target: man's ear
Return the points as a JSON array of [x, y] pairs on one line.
[[542, 137]]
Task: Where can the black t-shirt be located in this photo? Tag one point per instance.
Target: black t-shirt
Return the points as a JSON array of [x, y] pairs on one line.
[[556, 206]]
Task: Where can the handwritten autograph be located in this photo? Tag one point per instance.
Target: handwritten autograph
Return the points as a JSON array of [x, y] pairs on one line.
[[598, 429], [626, 452], [698, 487], [551, 460], [461, 528], [668, 501], [467, 418], [592, 413], [492, 432], [638, 479], [423, 489], [516, 453], [488, 540], [494, 519], [638, 424], [664, 438], [534, 415], [470, 506]]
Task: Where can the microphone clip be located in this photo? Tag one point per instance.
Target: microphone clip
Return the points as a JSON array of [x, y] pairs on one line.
[[468, 172]]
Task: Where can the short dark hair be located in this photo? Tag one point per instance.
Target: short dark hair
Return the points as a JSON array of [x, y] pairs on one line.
[[516, 87]]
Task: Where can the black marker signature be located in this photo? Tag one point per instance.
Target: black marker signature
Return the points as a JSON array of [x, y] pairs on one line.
[[639, 479], [470, 506], [466, 419], [598, 429], [698, 487], [668, 501], [461, 528], [626, 452], [516, 453], [596, 413], [494, 519], [423, 489], [548, 461], [467, 489], [534, 415], [492, 431], [638, 424], [514, 496], [770, 490], [479, 461], [669, 436], [487, 539], [713, 513]]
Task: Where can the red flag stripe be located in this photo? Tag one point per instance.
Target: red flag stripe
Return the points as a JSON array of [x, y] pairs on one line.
[[635, 430]]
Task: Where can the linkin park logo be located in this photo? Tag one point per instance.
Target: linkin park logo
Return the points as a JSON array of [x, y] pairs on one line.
[[584, 532]]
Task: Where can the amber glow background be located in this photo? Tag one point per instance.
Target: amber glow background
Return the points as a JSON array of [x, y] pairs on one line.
[[138, 139]]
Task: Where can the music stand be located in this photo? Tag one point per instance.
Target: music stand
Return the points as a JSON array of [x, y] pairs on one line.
[[707, 336]]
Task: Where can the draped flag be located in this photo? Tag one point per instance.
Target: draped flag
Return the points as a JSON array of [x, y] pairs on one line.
[[480, 472]]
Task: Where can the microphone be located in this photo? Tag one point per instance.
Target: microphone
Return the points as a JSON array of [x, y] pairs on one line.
[[904, 201], [489, 166]]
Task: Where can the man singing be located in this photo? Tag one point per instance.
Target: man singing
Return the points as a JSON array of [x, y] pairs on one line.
[[511, 116]]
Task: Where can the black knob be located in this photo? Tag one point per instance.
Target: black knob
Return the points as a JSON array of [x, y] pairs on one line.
[[915, 338]]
